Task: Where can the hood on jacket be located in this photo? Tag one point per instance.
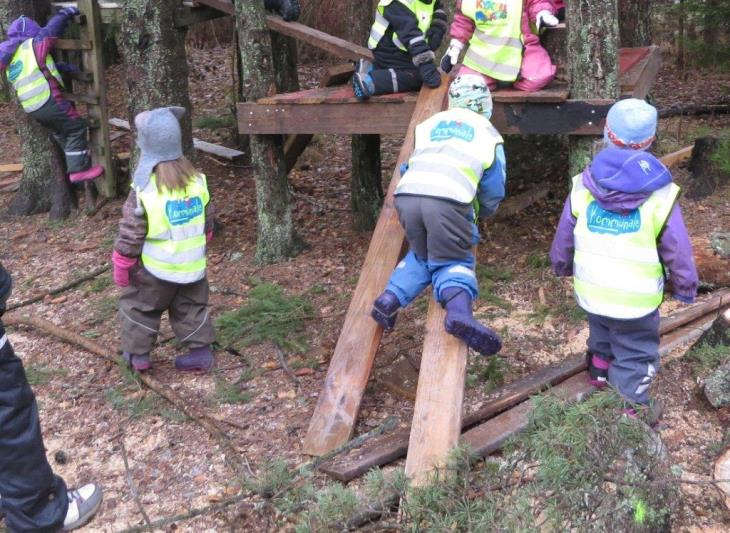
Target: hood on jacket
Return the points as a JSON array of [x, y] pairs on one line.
[[21, 29], [621, 180]]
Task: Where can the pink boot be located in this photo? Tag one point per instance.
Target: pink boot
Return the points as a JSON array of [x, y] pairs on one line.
[[85, 175]]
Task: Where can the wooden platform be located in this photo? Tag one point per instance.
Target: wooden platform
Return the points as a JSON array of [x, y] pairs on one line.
[[549, 111]]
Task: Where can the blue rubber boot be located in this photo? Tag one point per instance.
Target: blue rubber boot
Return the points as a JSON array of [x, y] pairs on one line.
[[385, 310], [460, 323], [363, 85]]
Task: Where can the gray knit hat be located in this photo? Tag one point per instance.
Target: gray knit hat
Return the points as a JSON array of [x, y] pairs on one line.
[[159, 139]]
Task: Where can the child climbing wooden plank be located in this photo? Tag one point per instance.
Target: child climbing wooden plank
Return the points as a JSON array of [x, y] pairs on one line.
[[403, 38], [456, 173], [26, 59], [620, 230], [503, 46], [159, 255]]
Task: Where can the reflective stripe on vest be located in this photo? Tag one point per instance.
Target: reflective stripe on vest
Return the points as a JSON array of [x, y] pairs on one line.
[[174, 248], [452, 150], [616, 268], [495, 48], [28, 80], [423, 13]]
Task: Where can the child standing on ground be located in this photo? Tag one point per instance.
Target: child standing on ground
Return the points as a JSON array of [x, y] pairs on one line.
[[404, 37], [26, 60], [457, 171], [159, 255], [503, 47], [621, 229]]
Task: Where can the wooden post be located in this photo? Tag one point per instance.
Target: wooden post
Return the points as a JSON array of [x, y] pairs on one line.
[[366, 187], [339, 402], [101, 151], [592, 63], [436, 424]]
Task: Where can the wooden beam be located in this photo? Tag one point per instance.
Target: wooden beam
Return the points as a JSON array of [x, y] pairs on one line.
[[436, 423], [339, 402], [11, 167], [380, 116], [394, 446], [675, 158], [186, 16], [648, 69], [73, 44]]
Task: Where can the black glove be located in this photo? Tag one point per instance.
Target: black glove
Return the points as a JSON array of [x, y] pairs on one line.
[[429, 74], [434, 36]]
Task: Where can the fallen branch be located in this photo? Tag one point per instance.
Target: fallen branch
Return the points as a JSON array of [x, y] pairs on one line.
[[695, 110], [62, 288], [157, 524], [231, 456], [287, 370], [130, 483]]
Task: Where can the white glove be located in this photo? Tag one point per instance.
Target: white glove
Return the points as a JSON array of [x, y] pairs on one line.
[[451, 57], [545, 18]]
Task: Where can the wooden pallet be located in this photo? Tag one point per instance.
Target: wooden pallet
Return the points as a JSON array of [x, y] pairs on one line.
[[334, 417]]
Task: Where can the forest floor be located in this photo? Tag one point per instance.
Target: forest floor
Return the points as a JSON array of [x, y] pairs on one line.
[[89, 407]]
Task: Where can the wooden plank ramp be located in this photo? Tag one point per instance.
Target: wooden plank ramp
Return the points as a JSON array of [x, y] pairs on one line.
[[336, 412], [436, 423]]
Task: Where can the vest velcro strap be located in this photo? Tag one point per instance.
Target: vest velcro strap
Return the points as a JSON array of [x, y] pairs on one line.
[[491, 66]]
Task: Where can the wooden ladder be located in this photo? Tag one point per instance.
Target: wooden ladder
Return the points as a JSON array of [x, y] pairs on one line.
[[89, 88]]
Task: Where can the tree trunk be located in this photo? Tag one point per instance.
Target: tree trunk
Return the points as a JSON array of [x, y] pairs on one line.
[[277, 238], [284, 56], [156, 62], [635, 26], [43, 185], [593, 64], [707, 174], [366, 184]]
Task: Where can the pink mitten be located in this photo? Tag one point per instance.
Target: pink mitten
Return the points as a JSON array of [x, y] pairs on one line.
[[122, 264]]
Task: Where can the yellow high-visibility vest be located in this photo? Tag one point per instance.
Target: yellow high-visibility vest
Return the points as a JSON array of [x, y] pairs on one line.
[[422, 11], [28, 79], [174, 248], [452, 150], [616, 269], [495, 48]]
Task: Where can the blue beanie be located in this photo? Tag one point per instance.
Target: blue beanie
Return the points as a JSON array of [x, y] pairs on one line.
[[631, 123]]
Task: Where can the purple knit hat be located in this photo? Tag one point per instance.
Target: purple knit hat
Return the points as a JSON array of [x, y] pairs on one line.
[[21, 29]]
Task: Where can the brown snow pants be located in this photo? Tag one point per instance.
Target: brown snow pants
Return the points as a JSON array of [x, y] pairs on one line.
[[147, 297]]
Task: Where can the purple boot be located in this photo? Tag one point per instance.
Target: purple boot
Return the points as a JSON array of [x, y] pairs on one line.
[[197, 360], [140, 363], [385, 310], [460, 323]]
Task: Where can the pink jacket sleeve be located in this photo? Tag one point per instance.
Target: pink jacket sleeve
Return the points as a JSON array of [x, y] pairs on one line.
[[462, 27], [535, 6]]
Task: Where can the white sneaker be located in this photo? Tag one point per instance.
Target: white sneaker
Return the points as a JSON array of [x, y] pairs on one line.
[[83, 503]]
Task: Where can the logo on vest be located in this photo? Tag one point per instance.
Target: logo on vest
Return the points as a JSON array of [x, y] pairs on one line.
[[183, 211], [14, 70], [603, 221], [488, 11], [451, 129]]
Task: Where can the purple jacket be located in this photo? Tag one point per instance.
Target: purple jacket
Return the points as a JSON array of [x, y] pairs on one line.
[[44, 40], [619, 183]]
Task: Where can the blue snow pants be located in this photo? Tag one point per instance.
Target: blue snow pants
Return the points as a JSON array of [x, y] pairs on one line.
[[632, 348], [440, 236]]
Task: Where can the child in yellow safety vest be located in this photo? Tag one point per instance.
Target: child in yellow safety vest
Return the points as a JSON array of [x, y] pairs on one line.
[[159, 255], [25, 57], [503, 42], [403, 38], [621, 229]]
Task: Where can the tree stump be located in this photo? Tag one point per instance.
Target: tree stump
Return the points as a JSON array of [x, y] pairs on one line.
[[717, 385], [706, 173], [712, 258]]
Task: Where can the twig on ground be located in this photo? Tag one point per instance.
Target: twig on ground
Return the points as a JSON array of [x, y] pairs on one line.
[[157, 524], [130, 483], [282, 361], [314, 202], [62, 288]]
